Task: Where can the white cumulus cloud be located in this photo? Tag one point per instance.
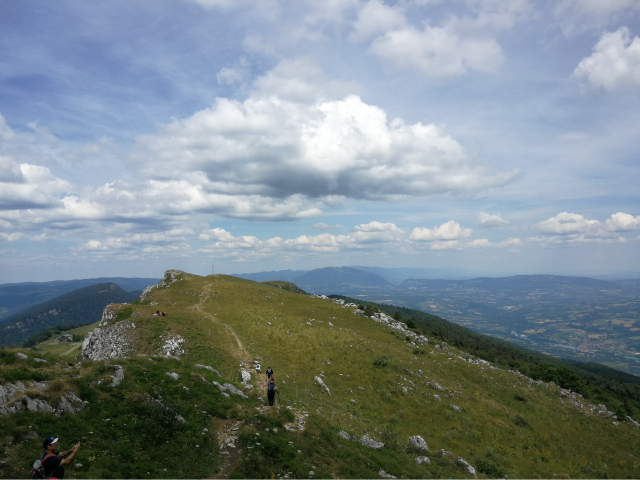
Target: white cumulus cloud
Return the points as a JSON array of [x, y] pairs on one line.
[[284, 146], [573, 227], [491, 220], [450, 230], [461, 44], [614, 64]]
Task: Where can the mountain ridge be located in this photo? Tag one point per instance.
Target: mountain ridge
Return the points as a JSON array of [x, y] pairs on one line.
[[181, 380]]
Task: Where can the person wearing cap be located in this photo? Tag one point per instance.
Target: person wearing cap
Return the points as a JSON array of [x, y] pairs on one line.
[[271, 391], [53, 462]]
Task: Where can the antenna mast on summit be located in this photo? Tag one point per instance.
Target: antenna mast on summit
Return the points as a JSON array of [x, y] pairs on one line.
[[212, 269]]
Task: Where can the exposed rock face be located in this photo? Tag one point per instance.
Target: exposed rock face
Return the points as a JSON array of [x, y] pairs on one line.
[[246, 378], [396, 325], [227, 387], [173, 346], [10, 393], [322, 385], [368, 442], [108, 341], [346, 436], [118, 377], [468, 468], [384, 474], [170, 276], [211, 369], [418, 443]]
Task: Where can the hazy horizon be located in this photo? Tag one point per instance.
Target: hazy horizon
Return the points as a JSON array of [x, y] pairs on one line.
[[474, 134]]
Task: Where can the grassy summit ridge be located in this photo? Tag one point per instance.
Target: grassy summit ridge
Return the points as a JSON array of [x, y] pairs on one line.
[[503, 424]]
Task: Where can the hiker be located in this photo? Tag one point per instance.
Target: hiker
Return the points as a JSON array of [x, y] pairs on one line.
[[258, 370], [53, 462], [271, 391], [269, 373]]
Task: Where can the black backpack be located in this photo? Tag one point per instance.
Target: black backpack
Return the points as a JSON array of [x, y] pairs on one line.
[[271, 387], [38, 466]]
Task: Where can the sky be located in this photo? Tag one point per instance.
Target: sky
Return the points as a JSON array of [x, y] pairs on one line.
[[498, 136]]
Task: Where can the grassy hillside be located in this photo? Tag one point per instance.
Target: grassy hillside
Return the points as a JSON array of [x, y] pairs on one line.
[[620, 391], [79, 307], [503, 423]]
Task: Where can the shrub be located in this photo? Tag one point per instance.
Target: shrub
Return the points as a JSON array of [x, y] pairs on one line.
[[380, 361], [411, 323], [490, 468], [521, 398], [520, 421], [7, 358]]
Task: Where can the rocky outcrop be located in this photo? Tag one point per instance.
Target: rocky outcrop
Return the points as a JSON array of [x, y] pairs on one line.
[[384, 474], [227, 387], [173, 346], [118, 376], [12, 400], [346, 436], [170, 276], [422, 459], [467, 468], [108, 341], [211, 369], [369, 442], [418, 443], [414, 338], [246, 378], [319, 381]]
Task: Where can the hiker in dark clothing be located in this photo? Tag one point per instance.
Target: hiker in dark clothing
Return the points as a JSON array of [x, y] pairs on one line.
[[53, 462], [271, 392], [269, 373]]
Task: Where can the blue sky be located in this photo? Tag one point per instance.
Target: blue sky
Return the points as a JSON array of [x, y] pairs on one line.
[[491, 135]]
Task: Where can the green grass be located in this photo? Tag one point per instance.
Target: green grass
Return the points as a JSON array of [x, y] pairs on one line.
[[494, 429]]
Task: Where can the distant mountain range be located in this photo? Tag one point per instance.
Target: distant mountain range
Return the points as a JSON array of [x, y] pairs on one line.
[[78, 307], [17, 297], [352, 279], [358, 280]]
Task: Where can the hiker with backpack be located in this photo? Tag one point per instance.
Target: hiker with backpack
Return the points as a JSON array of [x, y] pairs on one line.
[[271, 391], [269, 373], [51, 464]]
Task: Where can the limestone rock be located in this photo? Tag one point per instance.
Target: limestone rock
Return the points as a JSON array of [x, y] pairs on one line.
[[346, 436], [211, 369], [173, 346], [468, 468], [22, 355], [418, 442], [118, 377], [107, 342], [170, 276], [420, 460], [633, 421], [173, 375], [368, 442], [9, 390], [322, 384], [384, 474], [246, 378]]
